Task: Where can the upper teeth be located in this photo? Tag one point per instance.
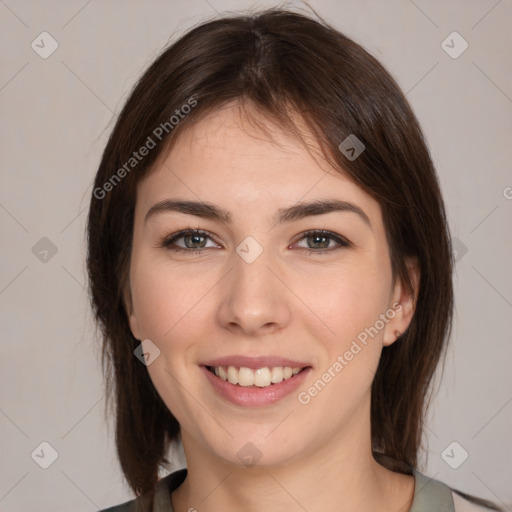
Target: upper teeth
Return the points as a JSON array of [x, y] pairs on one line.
[[261, 377]]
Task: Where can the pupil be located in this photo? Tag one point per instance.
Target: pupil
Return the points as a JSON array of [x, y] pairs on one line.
[[195, 238], [319, 237]]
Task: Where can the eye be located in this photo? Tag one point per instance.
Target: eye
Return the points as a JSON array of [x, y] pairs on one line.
[[194, 240], [320, 241]]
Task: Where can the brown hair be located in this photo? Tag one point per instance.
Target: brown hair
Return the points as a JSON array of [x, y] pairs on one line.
[[281, 63]]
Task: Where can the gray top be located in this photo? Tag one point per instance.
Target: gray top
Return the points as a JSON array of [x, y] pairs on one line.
[[429, 496]]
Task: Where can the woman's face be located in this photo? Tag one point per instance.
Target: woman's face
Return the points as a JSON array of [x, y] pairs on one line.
[[254, 290]]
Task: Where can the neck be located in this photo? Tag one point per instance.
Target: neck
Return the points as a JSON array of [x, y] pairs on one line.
[[340, 475]]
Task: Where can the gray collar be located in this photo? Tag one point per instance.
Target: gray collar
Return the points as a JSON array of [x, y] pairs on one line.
[[430, 494]]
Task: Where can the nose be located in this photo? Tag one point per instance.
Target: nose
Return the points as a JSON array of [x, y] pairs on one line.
[[255, 299]]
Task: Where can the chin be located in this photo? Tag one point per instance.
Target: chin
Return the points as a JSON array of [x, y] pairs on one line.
[[252, 451]]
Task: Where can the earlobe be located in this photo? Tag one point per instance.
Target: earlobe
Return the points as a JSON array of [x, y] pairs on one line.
[[404, 304]]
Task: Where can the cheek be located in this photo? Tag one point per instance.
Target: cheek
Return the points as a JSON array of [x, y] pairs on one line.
[[346, 300], [164, 299], [170, 312], [349, 304]]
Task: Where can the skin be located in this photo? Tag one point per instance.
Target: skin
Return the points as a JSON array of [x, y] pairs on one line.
[[307, 306]]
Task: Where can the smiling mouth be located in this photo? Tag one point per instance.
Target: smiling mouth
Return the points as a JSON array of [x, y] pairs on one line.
[[259, 378]]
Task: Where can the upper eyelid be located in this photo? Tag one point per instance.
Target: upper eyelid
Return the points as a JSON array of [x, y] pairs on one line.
[[190, 231]]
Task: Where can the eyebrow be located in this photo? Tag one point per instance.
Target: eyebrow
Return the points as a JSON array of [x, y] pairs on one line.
[[296, 212]]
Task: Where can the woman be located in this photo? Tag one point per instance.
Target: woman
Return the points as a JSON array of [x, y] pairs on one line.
[[270, 263]]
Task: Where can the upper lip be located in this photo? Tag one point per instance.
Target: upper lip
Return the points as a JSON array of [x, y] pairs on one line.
[[255, 362]]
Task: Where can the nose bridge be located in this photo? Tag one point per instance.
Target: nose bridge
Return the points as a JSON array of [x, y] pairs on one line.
[[254, 298], [251, 272]]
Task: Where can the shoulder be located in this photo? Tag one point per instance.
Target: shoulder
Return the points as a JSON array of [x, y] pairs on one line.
[[129, 506], [431, 494], [461, 504], [162, 495], [139, 504]]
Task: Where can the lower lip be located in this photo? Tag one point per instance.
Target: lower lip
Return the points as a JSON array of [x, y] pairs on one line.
[[255, 396]]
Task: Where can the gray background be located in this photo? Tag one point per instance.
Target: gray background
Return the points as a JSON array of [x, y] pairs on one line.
[[56, 116]]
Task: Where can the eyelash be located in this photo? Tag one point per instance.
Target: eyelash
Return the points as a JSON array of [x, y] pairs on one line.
[[168, 241]]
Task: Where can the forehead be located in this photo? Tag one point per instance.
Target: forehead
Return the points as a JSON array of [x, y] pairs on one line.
[[246, 162]]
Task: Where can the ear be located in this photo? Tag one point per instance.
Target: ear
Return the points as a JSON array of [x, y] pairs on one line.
[[402, 303], [128, 306]]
